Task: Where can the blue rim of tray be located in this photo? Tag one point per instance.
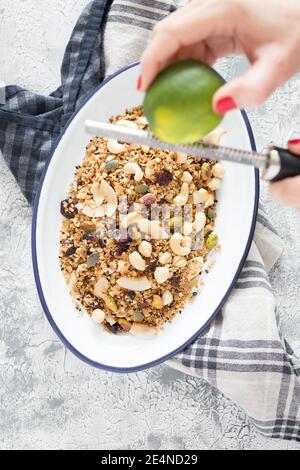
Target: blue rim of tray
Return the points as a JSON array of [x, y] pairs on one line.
[[35, 262]]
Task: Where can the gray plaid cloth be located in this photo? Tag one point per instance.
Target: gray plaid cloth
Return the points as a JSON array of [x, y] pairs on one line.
[[242, 353]]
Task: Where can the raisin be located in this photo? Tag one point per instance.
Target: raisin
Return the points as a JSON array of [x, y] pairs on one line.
[[114, 329], [175, 281], [162, 201], [142, 304], [121, 249], [67, 209], [151, 267], [164, 178], [90, 237], [120, 236], [101, 243], [70, 251]]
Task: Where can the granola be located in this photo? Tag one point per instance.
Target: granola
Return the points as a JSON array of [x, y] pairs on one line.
[[138, 225]]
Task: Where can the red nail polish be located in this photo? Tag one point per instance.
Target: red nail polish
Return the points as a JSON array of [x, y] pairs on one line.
[[139, 83], [294, 142], [225, 104]]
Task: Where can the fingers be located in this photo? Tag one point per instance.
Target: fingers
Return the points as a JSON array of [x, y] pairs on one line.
[[251, 89], [183, 28], [288, 190]]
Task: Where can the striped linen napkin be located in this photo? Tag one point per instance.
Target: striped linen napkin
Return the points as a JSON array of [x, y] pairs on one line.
[[242, 353]]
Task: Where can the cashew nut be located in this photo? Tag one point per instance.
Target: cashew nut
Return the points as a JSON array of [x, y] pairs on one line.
[[218, 170], [145, 248], [183, 196], [167, 298], [187, 228], [201, 196], [113, 146], [165, 258], [181, 157], [161, 274], [214, 137], [187, 177], [214, 184], [134, 169], [101, 286], [111, 198], [199, 222], [178, 245], [131, 218], [195, 265], [152, 228], [179, 262], [137, 261], [98, 316]]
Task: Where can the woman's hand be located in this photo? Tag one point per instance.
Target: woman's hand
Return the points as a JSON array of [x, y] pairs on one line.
[[267, 31], [287, 191]]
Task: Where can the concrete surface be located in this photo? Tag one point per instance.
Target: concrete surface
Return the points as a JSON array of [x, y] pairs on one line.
[[49, 399]]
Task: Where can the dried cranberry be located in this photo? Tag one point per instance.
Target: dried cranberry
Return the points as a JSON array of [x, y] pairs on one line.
[[142, 304], [151, 267], [175, 281], [120, 236], [164, 178], [90, 237], [68, 209], [121, 249], [114, 329], [162, 201], [101, 243], [70, 251]]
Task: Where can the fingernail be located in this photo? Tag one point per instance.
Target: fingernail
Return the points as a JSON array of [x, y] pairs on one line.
[[225, 104], [139, 83], [294, 142]]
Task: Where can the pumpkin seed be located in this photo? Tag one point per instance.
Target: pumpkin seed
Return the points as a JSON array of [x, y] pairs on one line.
[[141, 189], [110, 303], [111, 165], [138, 316], [211, 241], [92, 260]]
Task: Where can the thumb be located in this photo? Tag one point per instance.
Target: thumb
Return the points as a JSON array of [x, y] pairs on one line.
[[249, 90]]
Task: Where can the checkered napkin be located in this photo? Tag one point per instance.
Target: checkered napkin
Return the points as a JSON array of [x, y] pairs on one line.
[[242, 353]]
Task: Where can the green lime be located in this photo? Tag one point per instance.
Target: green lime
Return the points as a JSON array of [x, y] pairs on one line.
[[178, 104]]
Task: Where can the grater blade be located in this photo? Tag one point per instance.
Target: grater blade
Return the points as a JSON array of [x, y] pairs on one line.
[[199, 150]]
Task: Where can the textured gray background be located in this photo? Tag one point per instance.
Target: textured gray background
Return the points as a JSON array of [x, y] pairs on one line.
[[49, 399]]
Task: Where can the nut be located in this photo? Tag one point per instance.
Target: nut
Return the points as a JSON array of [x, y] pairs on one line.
[[161, 274], [177, 242], [214, 184], [181, 157], [186, 177], [179, 262], [101, 286], [157, 302], [134, 169], [187, 228], [98, 316], [201, 196], [113, 146], [131, 218], [214, 137], [218, 170], [110, 303], [152, 228], [205, 171], [165, 258], [111, 165], [145, 248], [167, 298], [194, 266], [183, 196], [210, 201], [199, 222], [137, 261], [93, 212], [136, 284]]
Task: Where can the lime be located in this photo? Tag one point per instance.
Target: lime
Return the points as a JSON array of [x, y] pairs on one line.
[[178, 104]]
